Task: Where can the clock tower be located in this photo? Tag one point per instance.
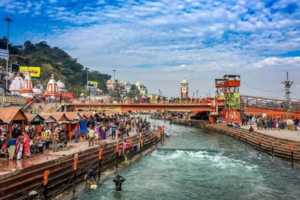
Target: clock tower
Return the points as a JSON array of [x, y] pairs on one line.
[[184, 89]]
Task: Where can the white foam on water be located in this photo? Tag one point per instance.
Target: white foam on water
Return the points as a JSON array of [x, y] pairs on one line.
[[216, 159], [169, 156]]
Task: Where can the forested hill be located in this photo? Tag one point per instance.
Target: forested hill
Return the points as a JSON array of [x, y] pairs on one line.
[[55, 60]]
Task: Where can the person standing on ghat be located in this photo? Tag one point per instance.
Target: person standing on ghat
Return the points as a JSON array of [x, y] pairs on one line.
[[19, 147], [11, 147], [54, 138], [103, 131], [113, 129], [26, 147], [91, 136], [76, 133], [83, 124]]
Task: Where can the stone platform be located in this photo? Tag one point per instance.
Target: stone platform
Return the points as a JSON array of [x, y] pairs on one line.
[[7, 167], [278, 133]]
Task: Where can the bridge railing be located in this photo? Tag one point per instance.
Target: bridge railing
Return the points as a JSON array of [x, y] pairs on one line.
[[262, 102], [183, 101]]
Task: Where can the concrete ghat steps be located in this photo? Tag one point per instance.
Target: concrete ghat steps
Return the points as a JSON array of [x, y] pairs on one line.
[[283, 148], [17, 185], [275, 146]]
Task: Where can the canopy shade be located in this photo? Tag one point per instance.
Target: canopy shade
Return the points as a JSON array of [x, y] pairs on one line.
[[8, 115]]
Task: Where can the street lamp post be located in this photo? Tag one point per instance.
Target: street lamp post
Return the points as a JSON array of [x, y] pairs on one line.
[[114, 72], [87, 82], [8, 20], [87, 78]]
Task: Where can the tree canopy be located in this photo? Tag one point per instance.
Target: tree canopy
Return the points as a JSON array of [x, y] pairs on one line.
[[54, 60]]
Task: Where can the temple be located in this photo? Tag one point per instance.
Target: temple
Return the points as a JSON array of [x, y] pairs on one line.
[[52, 89], [17, 84], [27, 90]]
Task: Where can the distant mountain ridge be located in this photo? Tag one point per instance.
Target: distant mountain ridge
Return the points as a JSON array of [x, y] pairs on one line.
[[54, 60]]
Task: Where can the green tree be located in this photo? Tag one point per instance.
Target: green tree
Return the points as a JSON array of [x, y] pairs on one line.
[[54, 60], [134, 92]]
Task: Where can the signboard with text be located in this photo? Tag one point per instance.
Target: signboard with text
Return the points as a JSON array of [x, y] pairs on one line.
[[35, 72], [233, 100], [93, 84]]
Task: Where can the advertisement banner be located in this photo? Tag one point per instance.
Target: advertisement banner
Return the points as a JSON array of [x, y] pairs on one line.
[[35, 72], [93, 84], [232, 100]]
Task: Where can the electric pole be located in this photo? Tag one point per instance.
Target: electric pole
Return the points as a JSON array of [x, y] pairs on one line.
[[87, 78], [287, 90], [114, 72]]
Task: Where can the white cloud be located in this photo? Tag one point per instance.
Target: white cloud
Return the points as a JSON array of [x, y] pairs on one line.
[[165, 41], [283, 63]]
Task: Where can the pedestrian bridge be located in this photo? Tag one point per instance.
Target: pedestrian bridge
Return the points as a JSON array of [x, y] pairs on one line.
[[250, 106], [143, 107]]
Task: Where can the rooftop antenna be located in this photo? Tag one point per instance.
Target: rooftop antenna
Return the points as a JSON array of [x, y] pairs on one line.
[[159, 92], [287, 90]]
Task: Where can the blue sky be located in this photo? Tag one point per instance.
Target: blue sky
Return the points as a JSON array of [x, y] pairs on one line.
[[162, 42]]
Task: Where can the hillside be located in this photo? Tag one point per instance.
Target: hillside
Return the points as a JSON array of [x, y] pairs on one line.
[[55, 60]]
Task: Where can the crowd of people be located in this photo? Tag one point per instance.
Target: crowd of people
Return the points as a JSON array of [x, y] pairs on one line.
[[100, 127], [264, 122], [23, 142]]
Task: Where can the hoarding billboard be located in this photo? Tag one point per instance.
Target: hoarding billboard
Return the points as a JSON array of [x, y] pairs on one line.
[[93, 84], [35, 72], [232, 100]]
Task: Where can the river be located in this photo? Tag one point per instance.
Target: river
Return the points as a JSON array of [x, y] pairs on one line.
[[196, 165]]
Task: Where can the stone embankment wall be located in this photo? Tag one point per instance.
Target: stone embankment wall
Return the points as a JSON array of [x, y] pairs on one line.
[[62, 175], [282, 148]]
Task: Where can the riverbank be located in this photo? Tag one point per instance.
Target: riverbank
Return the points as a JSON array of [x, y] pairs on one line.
[[274, 146], [68, 171], [108, 173]]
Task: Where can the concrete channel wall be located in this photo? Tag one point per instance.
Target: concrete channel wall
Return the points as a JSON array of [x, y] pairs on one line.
[[62, 176], [283, 148]]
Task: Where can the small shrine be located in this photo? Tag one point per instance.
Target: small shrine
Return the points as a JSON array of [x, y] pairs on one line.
[[52, 89], [16, 85], [60, 86], [27, 90]]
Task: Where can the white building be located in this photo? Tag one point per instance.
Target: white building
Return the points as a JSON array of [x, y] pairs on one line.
[[142, 88], [16, 85]]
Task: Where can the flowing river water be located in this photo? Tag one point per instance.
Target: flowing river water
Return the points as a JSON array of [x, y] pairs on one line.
[[196, 165]]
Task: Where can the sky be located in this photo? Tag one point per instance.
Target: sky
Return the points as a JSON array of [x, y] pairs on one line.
[[162, 42]]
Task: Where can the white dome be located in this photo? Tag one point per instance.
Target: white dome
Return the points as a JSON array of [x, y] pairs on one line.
[[60, 85], [27, 76], [17, 83], [52, 81], [52, 85], [184, 82], [137, 83]]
